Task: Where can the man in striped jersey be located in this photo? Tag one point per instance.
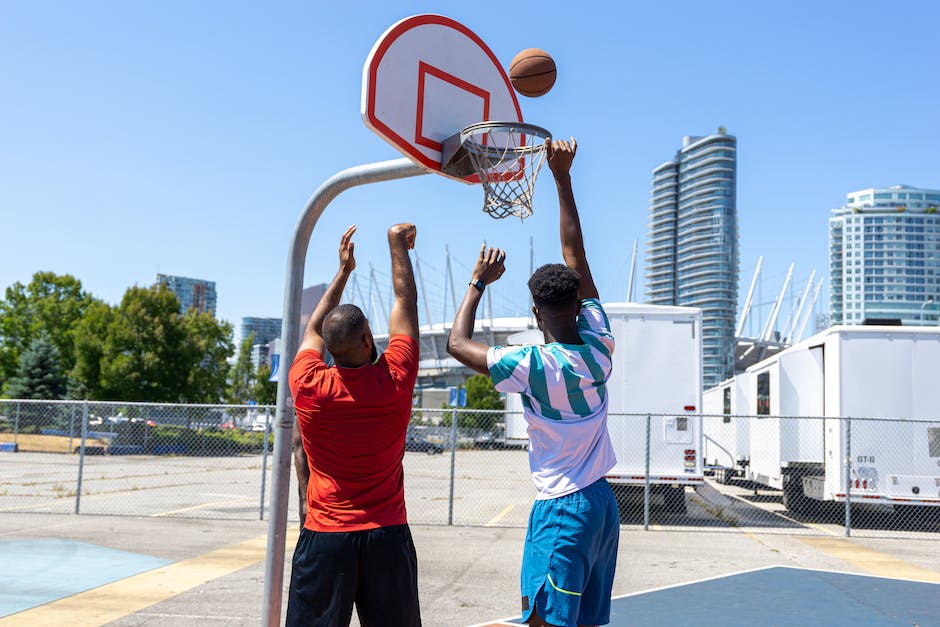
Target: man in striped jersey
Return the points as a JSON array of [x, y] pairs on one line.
[[571, 543]]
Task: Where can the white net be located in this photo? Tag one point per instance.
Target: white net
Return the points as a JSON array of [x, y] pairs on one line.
[[507, 158]]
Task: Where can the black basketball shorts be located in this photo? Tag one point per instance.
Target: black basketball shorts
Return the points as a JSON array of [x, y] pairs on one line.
[[375, 569]]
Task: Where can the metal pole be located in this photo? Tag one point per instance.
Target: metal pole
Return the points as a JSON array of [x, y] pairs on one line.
[[264, 463], [290, 339], [427, 308], [81, 457], [71, 424], [848, 477], [646, 480], [16, 425], [453, 455]]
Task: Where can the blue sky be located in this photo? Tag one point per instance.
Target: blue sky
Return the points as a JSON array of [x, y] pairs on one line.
[[186, 137]]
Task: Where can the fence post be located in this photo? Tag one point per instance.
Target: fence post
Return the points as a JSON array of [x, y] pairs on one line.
[[16, 425], [264, 464], [848, 477], [453, 455], [646, 480], [81, 457], [71, 424]]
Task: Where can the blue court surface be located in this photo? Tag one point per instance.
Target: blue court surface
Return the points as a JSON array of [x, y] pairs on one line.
[[780, 595], [35, 572]]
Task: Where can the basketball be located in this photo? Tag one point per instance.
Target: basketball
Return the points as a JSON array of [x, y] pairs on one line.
[[532, 72]]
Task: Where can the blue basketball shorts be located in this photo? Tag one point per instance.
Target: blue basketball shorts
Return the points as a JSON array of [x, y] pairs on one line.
[[570, 556]]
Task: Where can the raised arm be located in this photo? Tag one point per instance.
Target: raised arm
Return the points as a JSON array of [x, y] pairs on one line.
[[313, 334], [403, 319], [490, 266], [560, 156]]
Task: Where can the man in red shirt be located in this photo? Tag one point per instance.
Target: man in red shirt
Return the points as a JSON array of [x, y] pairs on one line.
[[355, 546]]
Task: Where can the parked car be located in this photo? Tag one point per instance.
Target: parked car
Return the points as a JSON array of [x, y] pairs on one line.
[[420, 445]]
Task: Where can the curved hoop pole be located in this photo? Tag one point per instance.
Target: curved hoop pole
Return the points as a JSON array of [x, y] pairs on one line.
[[290, 340]]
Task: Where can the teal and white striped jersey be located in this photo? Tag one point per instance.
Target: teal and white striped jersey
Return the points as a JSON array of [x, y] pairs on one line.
[[564, 398]]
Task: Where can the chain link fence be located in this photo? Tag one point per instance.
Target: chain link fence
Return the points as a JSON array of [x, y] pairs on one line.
[[135, 459], [801, 475]]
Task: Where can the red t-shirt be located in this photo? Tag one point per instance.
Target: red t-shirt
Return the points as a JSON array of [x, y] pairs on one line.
[[353, 423]]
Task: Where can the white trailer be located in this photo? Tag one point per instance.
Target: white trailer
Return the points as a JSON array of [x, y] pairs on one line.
[[727, 437], [863, 372], [657, 372]]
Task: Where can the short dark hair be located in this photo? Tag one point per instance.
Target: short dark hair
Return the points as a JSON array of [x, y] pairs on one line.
[[342, 326], [554, 284]]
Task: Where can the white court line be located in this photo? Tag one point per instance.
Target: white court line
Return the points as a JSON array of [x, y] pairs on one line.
[[195, 507], [500, 515]]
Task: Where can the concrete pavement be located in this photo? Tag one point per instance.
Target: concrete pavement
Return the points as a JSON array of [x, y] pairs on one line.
[[466, 574]]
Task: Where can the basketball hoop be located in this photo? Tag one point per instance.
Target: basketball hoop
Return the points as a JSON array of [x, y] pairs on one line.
[[506, 156]]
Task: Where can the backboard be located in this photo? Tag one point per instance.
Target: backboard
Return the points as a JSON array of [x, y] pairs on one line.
[[426, 79]]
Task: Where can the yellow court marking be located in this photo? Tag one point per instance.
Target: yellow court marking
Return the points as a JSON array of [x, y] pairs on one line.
[[200, 506], [500, 515], [120, 598], [871, 561]]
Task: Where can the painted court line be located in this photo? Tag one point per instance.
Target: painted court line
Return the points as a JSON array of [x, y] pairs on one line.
[[500, 515], [201, 506], [116, 600], [871, 561], [500, 622]]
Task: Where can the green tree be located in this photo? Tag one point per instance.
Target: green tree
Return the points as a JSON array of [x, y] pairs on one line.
[[482, 394], [51, 304], [242, 377], [40, 374], [209, 345], [90, 336], [264, 392], [145, 355]]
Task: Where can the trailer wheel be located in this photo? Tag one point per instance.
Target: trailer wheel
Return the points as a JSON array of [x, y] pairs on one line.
[[674, 501], [631, 509], [793, 497], [724, 475]]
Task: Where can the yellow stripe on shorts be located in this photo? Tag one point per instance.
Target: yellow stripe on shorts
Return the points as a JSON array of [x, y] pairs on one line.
[[577, 594]]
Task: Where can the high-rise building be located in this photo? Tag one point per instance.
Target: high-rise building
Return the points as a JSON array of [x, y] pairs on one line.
[[192, 293], [265, 329], [309, 299], [692, 246], [884, 256]]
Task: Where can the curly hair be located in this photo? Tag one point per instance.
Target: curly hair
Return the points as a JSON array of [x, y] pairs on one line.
[[554, 284]]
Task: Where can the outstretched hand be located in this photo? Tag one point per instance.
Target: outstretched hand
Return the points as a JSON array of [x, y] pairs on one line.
[[347, 260], [561, 155], [490, 265]]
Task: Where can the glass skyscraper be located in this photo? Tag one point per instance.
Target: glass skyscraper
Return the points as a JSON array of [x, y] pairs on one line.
[[192, 293], [884, 256], [692, 245], [265, 329]]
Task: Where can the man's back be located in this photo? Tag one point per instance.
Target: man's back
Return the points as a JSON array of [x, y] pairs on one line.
[[564, 396], [353, 423]]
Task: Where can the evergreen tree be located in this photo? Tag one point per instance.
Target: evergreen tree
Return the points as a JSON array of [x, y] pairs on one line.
[[40, 374]]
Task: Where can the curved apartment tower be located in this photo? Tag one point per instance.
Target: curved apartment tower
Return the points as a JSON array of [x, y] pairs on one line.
[[884, 256], [692, 246]]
